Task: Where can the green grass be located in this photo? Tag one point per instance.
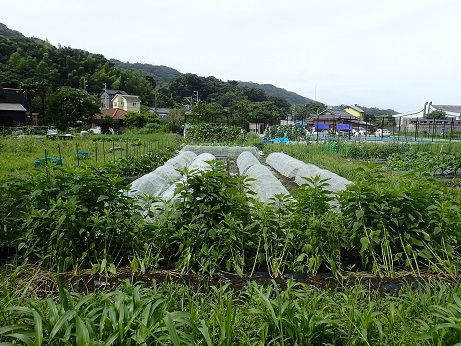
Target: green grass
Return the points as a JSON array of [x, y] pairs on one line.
[[19, 154], [173, 314]]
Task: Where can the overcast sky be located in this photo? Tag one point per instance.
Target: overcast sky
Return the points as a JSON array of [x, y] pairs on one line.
[[390, 54]]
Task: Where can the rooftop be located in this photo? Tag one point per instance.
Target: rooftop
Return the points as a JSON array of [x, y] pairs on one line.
[[114, 113], [12, 107], [358, 109]]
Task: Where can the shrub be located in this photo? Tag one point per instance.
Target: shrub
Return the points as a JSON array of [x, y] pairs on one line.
[[209, 133]]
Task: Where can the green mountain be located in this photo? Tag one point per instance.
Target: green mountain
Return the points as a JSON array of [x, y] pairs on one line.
[[5, 31], [160, 73], [165, 74], [272, 90], [33, 62]]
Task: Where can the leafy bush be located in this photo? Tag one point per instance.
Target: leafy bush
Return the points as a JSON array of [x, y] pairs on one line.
[[207, 231], [409, 225], [137, 165], [426, 162], [210, 133], [65, 218], [293, 132]]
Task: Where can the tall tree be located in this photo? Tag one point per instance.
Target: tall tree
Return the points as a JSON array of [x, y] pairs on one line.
[[67, 106]]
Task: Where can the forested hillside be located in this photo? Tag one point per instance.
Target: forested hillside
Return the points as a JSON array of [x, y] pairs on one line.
[[272, 90], [43, 70], [5, 31], [159, 72]]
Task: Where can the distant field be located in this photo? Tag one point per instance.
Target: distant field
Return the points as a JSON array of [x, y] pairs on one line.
[[18, 155]]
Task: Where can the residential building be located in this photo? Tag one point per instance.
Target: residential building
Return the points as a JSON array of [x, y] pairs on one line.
[[355, 111], [257, 128], [162, 113], [12, 107], [107, 96], [331, 120], [129, 103]]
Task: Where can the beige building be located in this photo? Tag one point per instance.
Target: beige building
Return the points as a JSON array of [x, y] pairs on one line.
[[355, 111], [129, 103]]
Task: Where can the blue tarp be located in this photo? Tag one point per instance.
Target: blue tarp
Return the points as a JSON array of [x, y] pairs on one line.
[[281, 140], [322, 126], [344, 127]]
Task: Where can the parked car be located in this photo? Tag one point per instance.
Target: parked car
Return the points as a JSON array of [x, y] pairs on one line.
[[382, 133], [360, 132]]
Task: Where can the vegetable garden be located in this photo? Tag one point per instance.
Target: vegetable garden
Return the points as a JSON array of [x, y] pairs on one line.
[[297, 212]]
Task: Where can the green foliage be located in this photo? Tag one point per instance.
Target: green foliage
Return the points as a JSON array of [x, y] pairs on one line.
[[210, 230], [67, 106], [66, 218], [408, 225], [208, 133], [426, 162], [436, 115], [293, 132], [298, 314], [366, 151], [139, 120], [31, 60], [136, 316], [157, 72]]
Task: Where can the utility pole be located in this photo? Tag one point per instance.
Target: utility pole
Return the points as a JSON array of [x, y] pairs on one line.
[[196, 96], [106, 103]]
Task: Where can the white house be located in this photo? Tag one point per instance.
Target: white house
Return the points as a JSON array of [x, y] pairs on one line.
[[129, 103]]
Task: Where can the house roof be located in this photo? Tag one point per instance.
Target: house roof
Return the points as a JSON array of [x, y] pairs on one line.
[[114, 92], [336, 116], [128, 97], [12, 107], [161, 110], [115, 113], [448, 108], [358, 109]]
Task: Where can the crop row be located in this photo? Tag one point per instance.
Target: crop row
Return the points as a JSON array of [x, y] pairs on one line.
[[257, 315], [67, 219]]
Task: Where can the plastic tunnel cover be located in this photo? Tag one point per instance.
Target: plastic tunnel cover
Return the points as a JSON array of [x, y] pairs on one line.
[[200, 163], [182, 160], [291, 167], [245, 160], [264, 184], [284, 164]]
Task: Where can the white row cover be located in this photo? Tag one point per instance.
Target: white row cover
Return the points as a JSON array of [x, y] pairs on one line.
[[264, 184], [245, 160], [199, 164], [293, 168], [182, 160], [220, 151], [157, 181]]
